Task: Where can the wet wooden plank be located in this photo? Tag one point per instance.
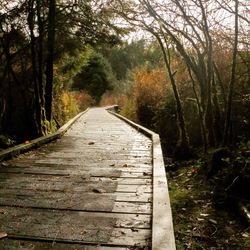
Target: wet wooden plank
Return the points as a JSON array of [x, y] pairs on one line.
[[71, 204], [74, 197], [78, 234], [85, 153], [80, 179], [82, 161], [14, 244], [107, 202], [89, 220], [103, 187], [74, 165], [124, 172]]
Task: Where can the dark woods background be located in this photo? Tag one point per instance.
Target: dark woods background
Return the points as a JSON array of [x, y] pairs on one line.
[[187, 77], [43, 46]]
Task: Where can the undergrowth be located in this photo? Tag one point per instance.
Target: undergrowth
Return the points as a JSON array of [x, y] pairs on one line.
[[199, 223]]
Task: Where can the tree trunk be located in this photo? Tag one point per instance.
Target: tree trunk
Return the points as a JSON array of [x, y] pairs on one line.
[[182, 149], [209, 72], [37, 101], [228, 120], [200, 112], [50, 59], [40, 55], [217, 114]]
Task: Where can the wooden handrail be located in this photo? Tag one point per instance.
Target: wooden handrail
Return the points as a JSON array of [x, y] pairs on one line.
[[24, 147]]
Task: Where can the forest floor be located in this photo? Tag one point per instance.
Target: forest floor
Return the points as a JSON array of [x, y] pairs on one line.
[[199, 223]]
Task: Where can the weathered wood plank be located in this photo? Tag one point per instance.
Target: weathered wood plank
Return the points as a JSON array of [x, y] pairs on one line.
[[103, 187], [104, 206], [84, 166], [81, 161], [11, 244], [81, 180], [78, 234], [132, 203], [105, 172], [88, 219], [95, 194], [91, 187]]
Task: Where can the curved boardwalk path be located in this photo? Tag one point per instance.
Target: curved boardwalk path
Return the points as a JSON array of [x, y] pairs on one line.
[[91, 189]]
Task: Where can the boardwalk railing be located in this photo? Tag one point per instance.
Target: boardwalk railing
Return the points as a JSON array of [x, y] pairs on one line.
[[162, 225], [24, 147]]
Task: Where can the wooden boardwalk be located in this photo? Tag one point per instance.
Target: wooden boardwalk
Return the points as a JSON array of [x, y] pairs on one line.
[[91, 189]]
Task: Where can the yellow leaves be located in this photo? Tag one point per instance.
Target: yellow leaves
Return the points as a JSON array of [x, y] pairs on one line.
[[64, 106], [110, 98], [65, 98], [147, 81]]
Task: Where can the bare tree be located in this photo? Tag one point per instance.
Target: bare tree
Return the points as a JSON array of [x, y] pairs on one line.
[[157, 30], [228, 122], [187, 25]]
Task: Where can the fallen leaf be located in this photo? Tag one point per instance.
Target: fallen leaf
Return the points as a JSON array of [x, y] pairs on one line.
[[3, 235], [200, 219], [194, 170], [213, 221], [205, 215], [245, 235]]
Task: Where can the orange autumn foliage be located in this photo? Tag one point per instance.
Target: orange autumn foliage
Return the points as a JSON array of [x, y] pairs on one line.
[[149, 91], [110, 98], [150, 86]]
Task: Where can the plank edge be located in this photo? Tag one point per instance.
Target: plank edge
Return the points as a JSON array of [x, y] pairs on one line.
[[23, 147], [162, 224]]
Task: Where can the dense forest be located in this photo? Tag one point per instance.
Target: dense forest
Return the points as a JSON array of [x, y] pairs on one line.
[[178, 67]]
